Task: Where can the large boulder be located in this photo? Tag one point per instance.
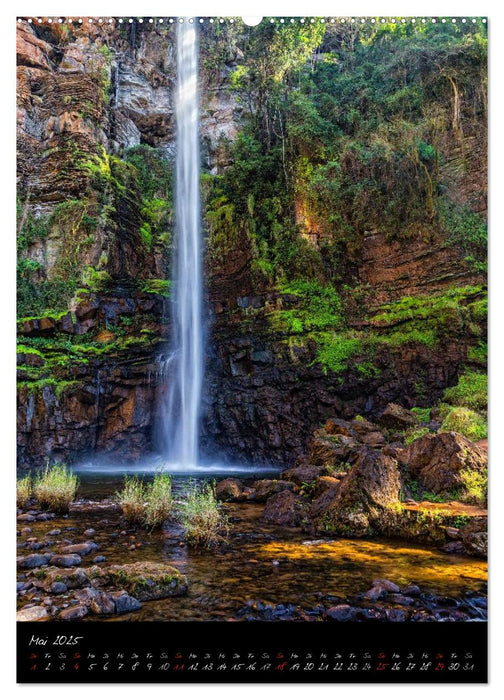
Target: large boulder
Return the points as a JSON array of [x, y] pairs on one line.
[[147, 580], [284, 508], [395, 416], [265, 488], [332, 450], [436, 460], [371, 486], [230, 490]]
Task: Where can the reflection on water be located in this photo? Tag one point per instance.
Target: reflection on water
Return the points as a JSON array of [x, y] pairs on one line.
[[262, 562]]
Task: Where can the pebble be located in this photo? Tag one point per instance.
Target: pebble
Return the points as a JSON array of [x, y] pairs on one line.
[[99, 559], [89, 532], [31, 613], [31, 561], [54, 532], [58, 587], [386, 585], [275, 562], [74, 613]]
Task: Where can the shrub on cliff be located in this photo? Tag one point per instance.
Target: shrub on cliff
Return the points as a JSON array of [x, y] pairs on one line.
[[201, 516], [55, 488], [475, 486], [23, 491]]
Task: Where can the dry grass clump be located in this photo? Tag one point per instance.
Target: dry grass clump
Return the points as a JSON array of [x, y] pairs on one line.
[[23, 491], [131, 499], [146, 504], [159, 499], [55, 488], [201, 516]]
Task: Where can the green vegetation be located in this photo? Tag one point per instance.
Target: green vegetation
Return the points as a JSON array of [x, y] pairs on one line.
[[143, 504], [423, 414], [201, 516], [23, 491], [132, 499], [467, 422], [414, 434], [156, 286], [55, 488], [475, 486], [159, 500], [471, 391]]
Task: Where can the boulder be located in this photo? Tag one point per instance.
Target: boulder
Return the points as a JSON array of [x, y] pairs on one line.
[[147, 580], [284, 508], [395, 416], [323, 484], [337, 426], [74, 612], [265, 488], [125, 603], [436, 460], [475, 537], [333, 449], [229, 490], [33, 614], [66, 560], [302, 474], [82, 548], [370, 487], [32, 561]]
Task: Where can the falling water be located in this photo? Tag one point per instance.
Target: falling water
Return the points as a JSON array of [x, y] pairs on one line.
[[180, 410]]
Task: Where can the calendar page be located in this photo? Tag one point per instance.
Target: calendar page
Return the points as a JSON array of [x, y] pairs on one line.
[[251, 349]]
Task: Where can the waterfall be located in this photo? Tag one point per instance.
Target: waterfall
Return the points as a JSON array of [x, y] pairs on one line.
[[181, 403]]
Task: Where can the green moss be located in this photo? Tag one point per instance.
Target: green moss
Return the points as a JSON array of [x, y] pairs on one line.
[[414, 434], [157, 286], [335, 351], [423, 414], [471, 391], [475, 485]]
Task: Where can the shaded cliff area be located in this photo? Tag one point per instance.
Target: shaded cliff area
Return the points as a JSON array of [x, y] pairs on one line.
[[344, 184]]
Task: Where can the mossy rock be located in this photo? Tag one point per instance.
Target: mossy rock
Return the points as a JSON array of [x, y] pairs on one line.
[[147, 580]]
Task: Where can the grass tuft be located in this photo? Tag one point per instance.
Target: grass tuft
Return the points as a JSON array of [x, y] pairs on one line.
[[159, 499], [132, 499], [55, 488], [463, 420], [23, 491], [201, 516]]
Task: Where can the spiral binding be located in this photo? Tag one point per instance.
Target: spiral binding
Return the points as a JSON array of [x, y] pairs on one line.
[[163, 21]]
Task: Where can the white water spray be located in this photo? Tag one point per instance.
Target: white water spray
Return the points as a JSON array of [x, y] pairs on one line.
[[181, 405]]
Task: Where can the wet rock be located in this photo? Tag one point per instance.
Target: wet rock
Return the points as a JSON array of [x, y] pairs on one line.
[[82, 549], [229, 490], [374, 593], [436, 460], [475, 537], [65, 560], [452, 532], [284, 508], [399, 599], [454, 548], [395, 416], [149, 580], [371, 486], [397, 615], [125, 603], [341, 613], [32, 614], [411, 590], [387, 585], [26, 518], [265, 488], [32, 561], [74, 612]]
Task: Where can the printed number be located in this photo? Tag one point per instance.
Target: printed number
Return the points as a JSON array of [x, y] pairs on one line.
[[63, 640]]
